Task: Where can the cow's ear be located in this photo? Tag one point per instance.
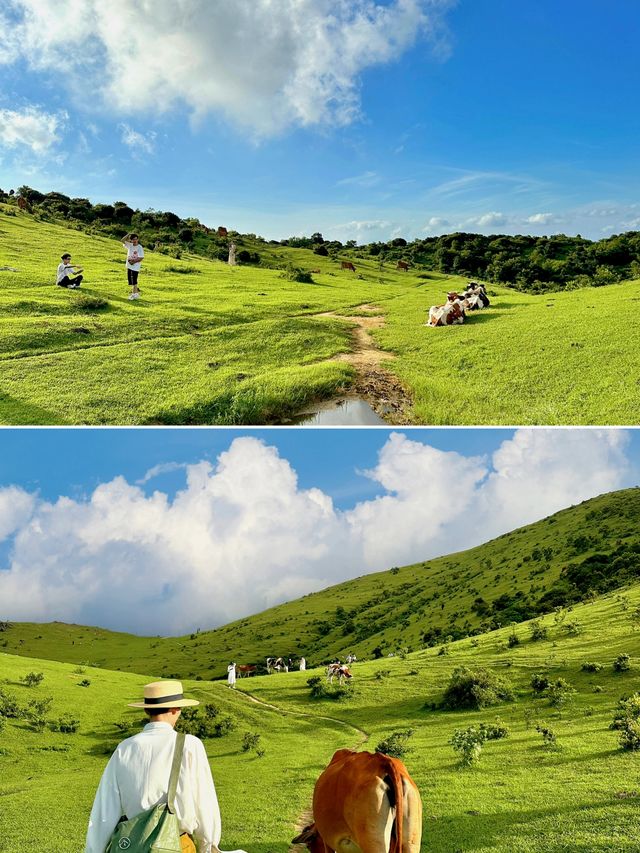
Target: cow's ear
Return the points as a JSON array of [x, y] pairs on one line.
[[308, 834]]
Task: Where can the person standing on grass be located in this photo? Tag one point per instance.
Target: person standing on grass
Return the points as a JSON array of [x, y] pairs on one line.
[[231, 675], [67, 275], [135, 254], [303, 664], [137, 777]]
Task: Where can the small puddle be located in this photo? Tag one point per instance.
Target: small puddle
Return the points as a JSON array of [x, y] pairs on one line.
[[346, 411]]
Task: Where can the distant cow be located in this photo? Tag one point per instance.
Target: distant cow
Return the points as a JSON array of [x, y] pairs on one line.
[[339, 671], [402, 265], [246, 669], [347, 265], [364, 802], [222, 231], [278, 664], [23, 204]]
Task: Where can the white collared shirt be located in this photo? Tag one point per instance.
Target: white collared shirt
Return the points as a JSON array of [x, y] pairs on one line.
[[137, 778]]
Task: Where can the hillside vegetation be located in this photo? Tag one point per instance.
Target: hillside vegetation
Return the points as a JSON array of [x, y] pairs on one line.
[[573, 555], [557, 778]]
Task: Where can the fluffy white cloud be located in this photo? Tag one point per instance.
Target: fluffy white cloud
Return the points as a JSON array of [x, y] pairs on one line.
[[31, 127], [139, 143], [266, 64], [540, 218], [243, 535]]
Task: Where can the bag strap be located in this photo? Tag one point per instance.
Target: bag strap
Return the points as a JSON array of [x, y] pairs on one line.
[[175, 772]]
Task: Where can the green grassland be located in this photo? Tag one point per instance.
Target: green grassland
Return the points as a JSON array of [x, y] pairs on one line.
[[506, 580], [520, 798], [210, 344]]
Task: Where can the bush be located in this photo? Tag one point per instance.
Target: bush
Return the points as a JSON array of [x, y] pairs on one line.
[[183, 270], [626, 720], [192, 722], [478, 688], [539, 631], [549, 737], [293, 273], [381, 674], [589, 666], [84, 683], [622, 663], [9, 706], [513, 640], [65, 724], [494, 731], [91, 303], [560, 693], [319, 689], [396, 745], [250, 740], [33, 679], [468, 744], [540, 682], [443, 650]]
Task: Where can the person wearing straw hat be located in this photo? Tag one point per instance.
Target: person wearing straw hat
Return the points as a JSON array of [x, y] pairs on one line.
[[137, 776]]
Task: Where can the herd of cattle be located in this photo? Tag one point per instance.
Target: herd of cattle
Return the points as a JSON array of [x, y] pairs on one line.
[[455, 308]]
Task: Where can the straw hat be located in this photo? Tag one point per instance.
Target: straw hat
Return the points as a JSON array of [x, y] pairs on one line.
[[164, 694]]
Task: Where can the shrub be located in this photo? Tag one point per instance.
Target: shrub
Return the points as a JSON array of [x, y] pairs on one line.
[[589, 666], [182, 270], [9, 706], [204, 726], [79, 670], [626, 720], [84, 683], [573, 628], [560, 693], [494, 731], [622, 663], [250, 740], [319, 689], [539, 631], [396, 745], [540, 682], [65, 724], [513, 640], [33, 679], [381, 674], [468, 744], [549, 737], [293, 273], [477, 688], [91, 303]]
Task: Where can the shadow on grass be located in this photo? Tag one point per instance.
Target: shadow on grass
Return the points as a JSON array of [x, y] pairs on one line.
[[15, 412]]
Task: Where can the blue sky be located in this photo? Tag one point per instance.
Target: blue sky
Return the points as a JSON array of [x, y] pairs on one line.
[[360, 118], [159, 531]]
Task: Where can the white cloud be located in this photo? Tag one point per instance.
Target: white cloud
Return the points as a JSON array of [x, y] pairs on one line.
[[138, 142], [540, 218], [266, 64], [31, 127], [366, 179], [489, 220], [158, 470], [243, 535]]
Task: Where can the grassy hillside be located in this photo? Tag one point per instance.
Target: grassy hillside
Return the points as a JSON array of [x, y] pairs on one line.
[[577, 553], [213, 344], [522, 797]]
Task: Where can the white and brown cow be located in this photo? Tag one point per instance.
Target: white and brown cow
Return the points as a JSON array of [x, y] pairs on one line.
[[338, 670], [364, 802], [449, 314]]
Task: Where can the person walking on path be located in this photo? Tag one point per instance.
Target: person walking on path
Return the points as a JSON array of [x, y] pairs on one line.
[[137, 777], [135, 254], [65, 272], [231, 675]]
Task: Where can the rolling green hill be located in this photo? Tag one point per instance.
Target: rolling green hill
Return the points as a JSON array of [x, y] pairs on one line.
[[575, 554], [523, 796], [210, 344]]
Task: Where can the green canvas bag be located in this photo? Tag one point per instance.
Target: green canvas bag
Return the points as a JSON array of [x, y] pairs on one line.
[[155, 830]]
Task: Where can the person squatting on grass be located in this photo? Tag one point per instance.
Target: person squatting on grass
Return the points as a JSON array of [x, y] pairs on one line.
[[137, 777], [135, 254], [66, 271]]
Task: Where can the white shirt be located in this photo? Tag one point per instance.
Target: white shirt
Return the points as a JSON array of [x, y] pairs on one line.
[[63, 270], [132, 253], [137, 778]]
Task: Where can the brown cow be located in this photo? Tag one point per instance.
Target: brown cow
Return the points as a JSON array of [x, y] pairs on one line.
[[356, 803], [222, 231], [246, 669], [402, 265], [347, 265]]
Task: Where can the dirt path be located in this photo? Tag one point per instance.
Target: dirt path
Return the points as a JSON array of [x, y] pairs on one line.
[[306, 817], [379, 387]]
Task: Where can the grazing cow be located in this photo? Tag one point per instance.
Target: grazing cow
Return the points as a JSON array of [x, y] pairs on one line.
[[402, 265], [339, 671], [347, 265], [364, 802], [222, 231], [246, 669]]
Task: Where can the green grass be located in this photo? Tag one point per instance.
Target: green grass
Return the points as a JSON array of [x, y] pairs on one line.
[[390, 609], [213, 344], [520, 798]]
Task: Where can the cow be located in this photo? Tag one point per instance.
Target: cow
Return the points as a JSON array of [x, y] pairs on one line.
[[351, 658], [278, 664], [446, 315], [402, 265], [364, 802], [476, 296], [338, 670], [246, 669], [222, 231], [347, 265]]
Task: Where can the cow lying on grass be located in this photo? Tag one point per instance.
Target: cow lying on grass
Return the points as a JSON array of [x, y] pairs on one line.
[[453, 312], [364, 802]]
